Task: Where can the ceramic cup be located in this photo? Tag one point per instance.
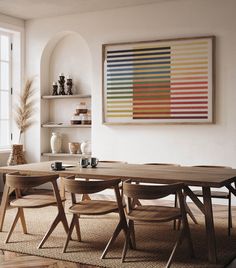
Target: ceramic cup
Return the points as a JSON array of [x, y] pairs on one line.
[[73, 147], [93, 162], [56, 165], [84, 162]]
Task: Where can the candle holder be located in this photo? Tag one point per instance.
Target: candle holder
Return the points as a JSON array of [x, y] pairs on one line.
[[69, 85], [55, 88], [61, 82]]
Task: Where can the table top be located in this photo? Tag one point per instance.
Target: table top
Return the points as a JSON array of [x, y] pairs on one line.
[[192, 176]]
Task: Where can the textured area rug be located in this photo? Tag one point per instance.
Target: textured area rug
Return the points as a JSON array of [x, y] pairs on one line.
[[154, 242]]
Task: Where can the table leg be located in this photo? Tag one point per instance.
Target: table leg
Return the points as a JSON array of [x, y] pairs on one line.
[[210, 229], [5, 198]]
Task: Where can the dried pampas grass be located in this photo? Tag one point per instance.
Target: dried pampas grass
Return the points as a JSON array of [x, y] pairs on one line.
[[25, 108]]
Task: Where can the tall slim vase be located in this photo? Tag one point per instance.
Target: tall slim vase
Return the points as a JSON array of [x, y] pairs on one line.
[[16, 156]]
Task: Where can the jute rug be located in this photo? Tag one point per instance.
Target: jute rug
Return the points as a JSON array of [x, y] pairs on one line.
[[154, 243]]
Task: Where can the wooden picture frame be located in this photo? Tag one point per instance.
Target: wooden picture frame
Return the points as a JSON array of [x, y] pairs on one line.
[[164, 81]]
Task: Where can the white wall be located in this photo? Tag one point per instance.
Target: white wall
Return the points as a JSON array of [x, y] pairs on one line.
[[182, 144]]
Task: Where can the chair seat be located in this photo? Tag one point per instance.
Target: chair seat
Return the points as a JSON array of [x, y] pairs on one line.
[[34, 201], [214, 194], [154, 213], [94, 207]]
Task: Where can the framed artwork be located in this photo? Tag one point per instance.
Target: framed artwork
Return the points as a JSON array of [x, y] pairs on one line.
[[164, 81]]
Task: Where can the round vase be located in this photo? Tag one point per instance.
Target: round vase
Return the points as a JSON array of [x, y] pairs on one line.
[[16, 156], [55, 143], [85, 147], [73, 147]]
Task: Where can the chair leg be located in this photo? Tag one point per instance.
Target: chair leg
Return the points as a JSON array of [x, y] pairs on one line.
[[125, 248], [53, 226], [132, 233], [186, 232], [22, 219], [112, 239], [174, 249], [175, 205], [72, 225], [77, 227], [13, 225], [230, 225]]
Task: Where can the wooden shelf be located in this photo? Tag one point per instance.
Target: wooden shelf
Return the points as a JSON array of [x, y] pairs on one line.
[[65, 126], [65, 155], [78, 96]]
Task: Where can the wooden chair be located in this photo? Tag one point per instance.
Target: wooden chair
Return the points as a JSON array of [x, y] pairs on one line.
[[188, 210], [95, 207], [219, 195], [35, 200], [156, 214]]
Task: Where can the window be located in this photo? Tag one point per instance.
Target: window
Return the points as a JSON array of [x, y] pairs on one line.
[[5, 90]]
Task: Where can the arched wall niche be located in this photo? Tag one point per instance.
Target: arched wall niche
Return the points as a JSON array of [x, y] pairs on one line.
[[67, 53]]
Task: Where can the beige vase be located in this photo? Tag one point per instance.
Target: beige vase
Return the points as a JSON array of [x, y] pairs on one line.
[[16, 156], [73, 147]]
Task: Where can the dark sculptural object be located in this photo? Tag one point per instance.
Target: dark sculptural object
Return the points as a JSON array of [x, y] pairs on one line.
[[55, 87], [61, 82], [69, 85]]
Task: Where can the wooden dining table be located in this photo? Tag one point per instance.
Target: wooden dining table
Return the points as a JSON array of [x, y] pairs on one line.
[[206, 178]]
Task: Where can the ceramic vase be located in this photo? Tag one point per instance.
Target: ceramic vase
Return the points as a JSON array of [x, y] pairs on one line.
[[16, 156], [73, 147], [85, 147], [55, 143]]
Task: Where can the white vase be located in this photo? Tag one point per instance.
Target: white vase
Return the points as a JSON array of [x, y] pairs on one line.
[[85, 147], [55, 143]]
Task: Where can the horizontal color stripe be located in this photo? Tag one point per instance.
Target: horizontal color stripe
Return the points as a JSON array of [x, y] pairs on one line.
[[157, 93], [172, 112], [171, 117], [168, 68], [145, 108], [168, 102], [139, 59], [138, 55], [149, 88], [136, 50], [161, 63]]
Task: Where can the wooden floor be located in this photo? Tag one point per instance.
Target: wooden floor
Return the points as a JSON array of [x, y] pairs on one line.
[[16, 260]]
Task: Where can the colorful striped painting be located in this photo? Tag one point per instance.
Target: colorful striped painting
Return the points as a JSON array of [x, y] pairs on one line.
[[167, 81]]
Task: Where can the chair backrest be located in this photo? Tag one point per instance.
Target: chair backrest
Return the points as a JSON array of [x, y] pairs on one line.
[[19, 181], [88, 187], [139, 191]]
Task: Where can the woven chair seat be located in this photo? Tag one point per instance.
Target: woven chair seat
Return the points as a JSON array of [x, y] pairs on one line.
[[154, 213], [94, 207], [34, 201]]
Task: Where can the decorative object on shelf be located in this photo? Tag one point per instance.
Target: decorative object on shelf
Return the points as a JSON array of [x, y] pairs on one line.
[[16, 156], [85, 147], [82, 108], [55, 142], [76, 119], [55, 88], [164, 81], [61, 82], [81, 115], [69, 85], [73, 147]]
